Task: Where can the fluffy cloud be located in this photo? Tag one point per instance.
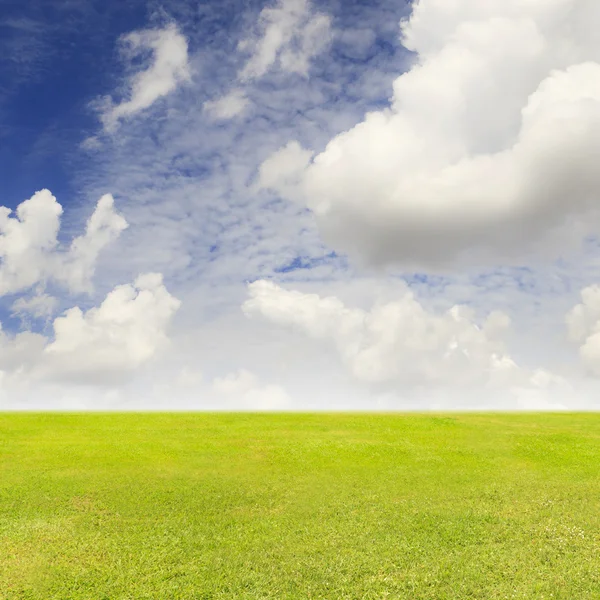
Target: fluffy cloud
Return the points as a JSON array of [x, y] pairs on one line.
[[102, 228], [102, 346], [583, 325], [30, 251], [244, 388], [20, 353], [491, 139], [109, 342], [27, 240], [399, 343], [168, 69], [283, 170]]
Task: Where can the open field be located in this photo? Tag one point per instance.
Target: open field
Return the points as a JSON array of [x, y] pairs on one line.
[[174, 506]]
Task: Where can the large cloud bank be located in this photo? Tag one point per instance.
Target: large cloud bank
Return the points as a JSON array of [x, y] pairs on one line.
[[492, 138], [583, 324], [400, 345]]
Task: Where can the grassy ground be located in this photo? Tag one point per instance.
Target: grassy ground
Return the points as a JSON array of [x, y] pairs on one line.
[[357, 506]]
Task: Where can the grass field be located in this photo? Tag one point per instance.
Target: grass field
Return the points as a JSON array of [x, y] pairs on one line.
[[174, 506]]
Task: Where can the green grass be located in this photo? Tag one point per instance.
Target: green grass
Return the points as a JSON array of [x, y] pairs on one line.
[[345, 506]]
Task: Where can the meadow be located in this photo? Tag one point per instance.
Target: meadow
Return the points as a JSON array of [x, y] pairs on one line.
[[281, 506]]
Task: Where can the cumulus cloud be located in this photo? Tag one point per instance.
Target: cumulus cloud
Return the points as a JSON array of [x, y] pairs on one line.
[[401, 346], [104, 345], [27, 240], [244, 388], [30, 253], [20, 353], [284, 169], [583, 326], [102, 228], [393, 342], [168, 69], [111, 341], [491, 139]]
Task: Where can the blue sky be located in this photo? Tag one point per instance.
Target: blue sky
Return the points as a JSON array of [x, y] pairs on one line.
[[58, 56], [63, 56], [333, 176]]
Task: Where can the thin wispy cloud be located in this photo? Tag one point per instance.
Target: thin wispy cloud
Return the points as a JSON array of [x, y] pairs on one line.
[[167, 70], [288, 36], [228, 106]]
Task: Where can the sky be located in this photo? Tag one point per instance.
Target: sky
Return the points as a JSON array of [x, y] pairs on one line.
[[299, 205]]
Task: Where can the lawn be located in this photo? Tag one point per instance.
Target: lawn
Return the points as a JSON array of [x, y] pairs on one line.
[[340, 506]]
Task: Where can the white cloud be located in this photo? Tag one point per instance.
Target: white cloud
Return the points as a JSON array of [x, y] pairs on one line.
[[102, 228], [243, 388], [290, 36], [583, 325], [490, 141], [228, 106], [109, 342], [394, 342], [30, 251], [27, 240], [283, 170], [169, 68], [105, 345], [20, 353]]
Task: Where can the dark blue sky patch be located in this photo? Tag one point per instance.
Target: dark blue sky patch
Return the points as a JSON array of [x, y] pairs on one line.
[[306, 262]]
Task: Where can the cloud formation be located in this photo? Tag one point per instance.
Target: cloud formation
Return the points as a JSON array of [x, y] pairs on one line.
[[400, 345], [168, 69], [583, 326], [40, 306], [102, 228], [228, 106], [113, 340], [284, 169], [30, 251], [104, 345], [491, 139], [288, 36]]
